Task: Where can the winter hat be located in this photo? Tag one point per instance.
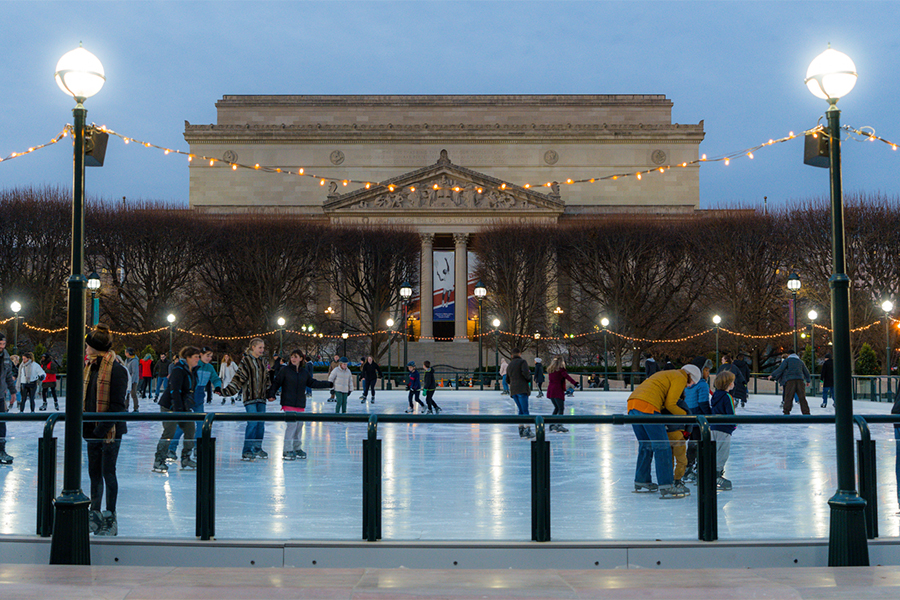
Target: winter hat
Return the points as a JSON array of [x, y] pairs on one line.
[[693, 371], [344, 359], [701, 362], [538, 359], [411, 363]]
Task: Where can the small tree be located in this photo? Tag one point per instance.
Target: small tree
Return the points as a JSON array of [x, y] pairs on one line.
[[867, 361], [807, 359]]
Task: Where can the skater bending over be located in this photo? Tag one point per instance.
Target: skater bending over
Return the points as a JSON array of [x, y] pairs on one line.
[[556, 389], [661, 390], [293, 379], [105, 388], [722, 403], [178, 397]]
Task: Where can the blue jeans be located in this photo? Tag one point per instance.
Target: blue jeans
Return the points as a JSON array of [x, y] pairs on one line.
[[197, 408], [521, 401], [253, 436], [505, 385], [827, 391], [652, 439]]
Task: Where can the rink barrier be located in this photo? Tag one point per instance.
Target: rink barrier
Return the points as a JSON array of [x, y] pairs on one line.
[[707, 508]]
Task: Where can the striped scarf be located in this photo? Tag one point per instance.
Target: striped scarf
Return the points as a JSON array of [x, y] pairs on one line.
[[103, 378]]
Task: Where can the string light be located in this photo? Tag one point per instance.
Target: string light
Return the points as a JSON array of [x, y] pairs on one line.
[[56, 139]]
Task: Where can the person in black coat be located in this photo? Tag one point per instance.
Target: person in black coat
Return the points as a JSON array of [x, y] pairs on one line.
[[293, 380], [178, 397], [827, 380], [105, 387], [371, 373], [740, 381]]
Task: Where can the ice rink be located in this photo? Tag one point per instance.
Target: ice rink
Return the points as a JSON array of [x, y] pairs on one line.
[[466, 482]]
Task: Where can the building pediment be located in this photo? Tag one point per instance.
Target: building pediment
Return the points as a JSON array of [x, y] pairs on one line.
[[441, 187]]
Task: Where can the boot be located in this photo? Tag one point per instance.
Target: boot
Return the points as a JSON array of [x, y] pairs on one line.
[[95, 521], [561, 429], [187, 463], [521, 431], [43, 407], [110, 525], [56, 406], [722, 483]]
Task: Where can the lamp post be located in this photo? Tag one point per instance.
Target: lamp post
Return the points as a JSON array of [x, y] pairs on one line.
[[281, 323], [171, 320], [16, 307], [405, 294], [716, 320], [813, 315], [344, 336], [831, 75], [93, 284], [887, 306], [558, 312], [80, 75], [605, 323], [793, 284], [480, 293], [390, 324], [496, 324]]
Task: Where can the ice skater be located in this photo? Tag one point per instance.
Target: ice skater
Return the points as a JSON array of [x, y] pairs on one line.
[[696, 398], [429, 385], [49, 383], [828, 380], [8, 384], [30, 374], [342, 378], [336, 363], [413, 385], [293, 379], [722, 403], [794, 376], [105, 389], [251, 380], [370, 373], [519, 377], [178, 397], [539, 376], [206, 375], [504, 365], [227, 369], [556, 389]]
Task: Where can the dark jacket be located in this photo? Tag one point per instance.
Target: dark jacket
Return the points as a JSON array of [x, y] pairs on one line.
[[538, 372], [161, 368], [722, 404], [371, 372], [791, 369], [519, 376], [650, 367], [118, 388], [740, 382], [828, 373], [744, 368], [293, 381], [413, 381], [7, 374], [428, 380], [179, 394]]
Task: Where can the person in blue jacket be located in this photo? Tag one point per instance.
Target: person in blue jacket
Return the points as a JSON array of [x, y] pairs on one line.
[[697, 400], [414, 385], [205, 374], [722, 403]]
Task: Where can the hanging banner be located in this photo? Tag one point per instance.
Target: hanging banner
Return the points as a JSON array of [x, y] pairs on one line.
[[444, 274], [472, 301]]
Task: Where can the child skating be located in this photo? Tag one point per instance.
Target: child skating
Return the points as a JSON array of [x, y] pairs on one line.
[[413, 384], [430, 386]]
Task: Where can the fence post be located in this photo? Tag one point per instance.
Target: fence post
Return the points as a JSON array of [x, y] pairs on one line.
[[540, 484], [707, 515], [46, 483], [206, 480], [371, 509], [868, 477]]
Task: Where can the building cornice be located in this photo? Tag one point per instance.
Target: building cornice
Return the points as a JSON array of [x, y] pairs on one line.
[[445, 100]]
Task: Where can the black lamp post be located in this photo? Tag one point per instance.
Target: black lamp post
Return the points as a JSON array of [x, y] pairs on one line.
[[480, 293], [605, 322], [16, 307], [831, 75], [390, 324], [793, 285], [171, 320], [716, 320], [80, 75], [93, 284], [344, 336], [813, 315], [281, 324], [405, 295], [496, 324], [887, 306]]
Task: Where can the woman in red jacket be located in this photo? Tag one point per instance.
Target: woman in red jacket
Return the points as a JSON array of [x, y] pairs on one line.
[[49, 383], [146, 375], [556, 388]]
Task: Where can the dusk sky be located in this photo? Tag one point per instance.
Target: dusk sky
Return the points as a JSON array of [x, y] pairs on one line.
[[736, 66]]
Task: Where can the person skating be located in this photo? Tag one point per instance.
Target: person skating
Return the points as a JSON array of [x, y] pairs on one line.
[[8, 383], [335, 364], [539, 376], [828, 380], [311, 370], [793, 375], [429, 385], [49, 383], [371, 373], [134, 371], [30, 375], [696, 398], [251, 380], [342, 378], [146, 375], [504, 365], [161, 372], [722, 403], [226, 373], [556, 389], [740, 382], [519, 376], [744, 369], [178, 397], [293, 379], [206, 375], [105, 390], [651, 367], [663, 389], [413, 385]]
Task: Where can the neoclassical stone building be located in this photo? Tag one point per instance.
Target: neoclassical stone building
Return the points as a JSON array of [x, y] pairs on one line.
[[447, 165]]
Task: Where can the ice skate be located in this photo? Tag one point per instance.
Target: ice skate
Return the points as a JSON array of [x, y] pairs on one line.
[[824, 404], [56, 407], [540, 395], [248, 456], [160, 466], [690, 475], [187, 464], [261, 454], [670, 492], [408, 410], [362, 399], [643, 488], [43, 407], [95, 521], [560, 429], [171, 456], [110, 525], [5, 459], [300, 454], [722, 484], [680, 487], [289, 456]]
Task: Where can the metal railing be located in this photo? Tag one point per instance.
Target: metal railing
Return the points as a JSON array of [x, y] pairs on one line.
[[371, 476]]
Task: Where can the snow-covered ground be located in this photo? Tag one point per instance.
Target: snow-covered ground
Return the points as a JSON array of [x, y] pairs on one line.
[[467, 482]]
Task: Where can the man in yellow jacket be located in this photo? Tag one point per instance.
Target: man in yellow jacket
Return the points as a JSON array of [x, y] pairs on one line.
[[661, 390]]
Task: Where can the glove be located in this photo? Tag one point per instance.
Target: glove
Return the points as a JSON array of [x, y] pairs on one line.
[[218, 390]]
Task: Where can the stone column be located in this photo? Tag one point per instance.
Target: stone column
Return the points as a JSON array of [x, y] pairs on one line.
[[426, 287], [461, 293]]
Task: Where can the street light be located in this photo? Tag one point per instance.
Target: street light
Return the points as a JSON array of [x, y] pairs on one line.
[[480, 293], [405, 294], [171, 320], [80, 75], [813, 315], [831, 75], [281, 323], [16, 307], [716, 320], [344, 336], [558, 312], [390, 324], [496, 324], [93, 284], [887, 306], [793, 284], [605, 323]]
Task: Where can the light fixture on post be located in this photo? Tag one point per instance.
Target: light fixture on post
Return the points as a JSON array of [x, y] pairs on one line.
[[605, 323], [390, 324], [830, 76], [716, 320], [480, 293], [537, 342], [80, 75], [887, 306], [558, 312], [793, 284], [281, 322], [496, 324], [93, 284], [813, 315], [16, 307], [171, 320], [344, 336], [405, 295]]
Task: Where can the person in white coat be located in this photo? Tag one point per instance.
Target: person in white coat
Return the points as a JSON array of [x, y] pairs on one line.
[[342, 378], [227, 369], [30, 375]]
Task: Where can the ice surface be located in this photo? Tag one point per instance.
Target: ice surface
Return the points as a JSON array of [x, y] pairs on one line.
[[466, 482]]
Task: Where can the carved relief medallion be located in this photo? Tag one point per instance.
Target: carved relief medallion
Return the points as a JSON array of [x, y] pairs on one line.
[[230, 156], [551, 157], [337, 157], [658, 157]]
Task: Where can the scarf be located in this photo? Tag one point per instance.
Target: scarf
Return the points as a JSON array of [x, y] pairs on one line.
[[103, 378]]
